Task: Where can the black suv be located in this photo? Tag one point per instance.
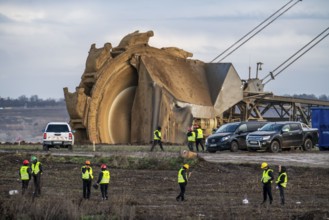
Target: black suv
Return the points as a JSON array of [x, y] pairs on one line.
[[232, 136]]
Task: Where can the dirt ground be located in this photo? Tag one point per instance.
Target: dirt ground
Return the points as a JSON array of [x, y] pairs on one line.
[[214, 191]]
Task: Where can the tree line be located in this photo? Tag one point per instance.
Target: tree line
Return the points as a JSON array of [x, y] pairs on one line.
[[35, 101], [30, 102]]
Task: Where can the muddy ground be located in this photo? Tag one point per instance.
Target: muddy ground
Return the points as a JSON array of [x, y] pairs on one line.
[[215, 191]]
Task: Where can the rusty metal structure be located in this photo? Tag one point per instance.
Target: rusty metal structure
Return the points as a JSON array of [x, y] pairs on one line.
[[127, 91]]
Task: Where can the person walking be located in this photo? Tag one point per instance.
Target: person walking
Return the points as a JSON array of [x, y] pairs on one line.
[[282, 182], [182, 181], [36, 170], [25, 175], [157, 138], [87, 177], [190, 139], [199, 138], [267, 178], [104, 180]]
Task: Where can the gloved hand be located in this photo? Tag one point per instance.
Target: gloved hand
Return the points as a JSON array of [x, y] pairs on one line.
[[95, 185]]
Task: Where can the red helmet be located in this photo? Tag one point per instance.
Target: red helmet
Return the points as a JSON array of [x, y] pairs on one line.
[[25, 162], [103, 166]]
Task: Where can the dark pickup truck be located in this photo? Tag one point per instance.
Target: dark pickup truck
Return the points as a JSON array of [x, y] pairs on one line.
[[276, 136]]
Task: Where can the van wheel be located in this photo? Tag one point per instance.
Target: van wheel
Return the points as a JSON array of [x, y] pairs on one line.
[[308, 145], [234, 146], [275, 147], [45, 147]]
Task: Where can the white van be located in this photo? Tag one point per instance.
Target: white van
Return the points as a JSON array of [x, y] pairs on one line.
[[58, 134]]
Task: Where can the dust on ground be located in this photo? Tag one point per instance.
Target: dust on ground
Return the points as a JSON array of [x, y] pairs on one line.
[[214, 191]]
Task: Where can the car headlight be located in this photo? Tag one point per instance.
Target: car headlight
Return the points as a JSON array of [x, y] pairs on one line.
[[206, 140], [265, 138], [225, 138], [247, 137]]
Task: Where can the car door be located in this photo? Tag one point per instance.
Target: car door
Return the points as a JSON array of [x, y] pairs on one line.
[[241, 135], [297, 134], [286, 136]]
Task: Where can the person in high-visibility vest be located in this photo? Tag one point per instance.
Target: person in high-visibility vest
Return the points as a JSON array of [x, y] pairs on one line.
[[36, 171], [267, 178], [199, 138], [87, 177], [282, 182], [25, 175], [191, 137], [104, 180], [182, 181], [157, 138]]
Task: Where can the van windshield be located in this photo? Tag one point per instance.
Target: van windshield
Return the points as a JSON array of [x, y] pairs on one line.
[[227, 128], [271, 127]]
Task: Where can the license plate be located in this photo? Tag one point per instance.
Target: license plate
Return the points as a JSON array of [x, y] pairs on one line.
[[57, 142], [213, 145], [253, 142]]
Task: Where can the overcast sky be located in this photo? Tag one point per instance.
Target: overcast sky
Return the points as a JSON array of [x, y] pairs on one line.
[[45, 43]]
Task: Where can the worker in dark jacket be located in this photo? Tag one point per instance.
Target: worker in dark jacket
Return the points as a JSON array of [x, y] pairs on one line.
[[87, 177], [36, 170], [267, 178], [191, 137], [199, 138], [182, 181], [282, 182], [104, 180], [25, 175], [157, 138]]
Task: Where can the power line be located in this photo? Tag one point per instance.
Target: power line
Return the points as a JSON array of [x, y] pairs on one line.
[[271, 73], [254, 30]]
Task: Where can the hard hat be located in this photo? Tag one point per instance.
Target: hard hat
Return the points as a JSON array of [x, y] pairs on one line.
[[264, 165], [33, 158], [25, 162], [87, 162], [186, 166], [103, 166]]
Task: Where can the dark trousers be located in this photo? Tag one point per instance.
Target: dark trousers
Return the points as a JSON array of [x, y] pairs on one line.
[[104, 188], [281, 188], [25, 184], [37, 184], [86, 185], [197, 142], [267, 190], [190, 145], [182, 187], [155, 142]]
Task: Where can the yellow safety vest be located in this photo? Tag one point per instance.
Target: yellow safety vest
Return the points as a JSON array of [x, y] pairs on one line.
[[284, 184], [180, 176], [200, 133], [192, 137], [35, 168], [266, 177], [106, 177], [88, 174], [24, 173], [159, 134]]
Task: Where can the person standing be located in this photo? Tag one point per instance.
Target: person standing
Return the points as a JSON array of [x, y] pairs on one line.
[[182, 181], [199, 138], [87, 177], [104, 180], [25, 175], [282, 182], [36, 170], [267, 178], [190, 139], [157, 138]]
